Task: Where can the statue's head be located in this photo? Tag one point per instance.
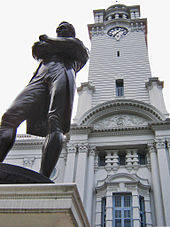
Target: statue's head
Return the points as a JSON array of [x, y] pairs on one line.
[[65, 30]]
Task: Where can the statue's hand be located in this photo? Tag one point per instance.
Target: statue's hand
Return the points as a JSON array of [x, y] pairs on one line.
[[43, 37]]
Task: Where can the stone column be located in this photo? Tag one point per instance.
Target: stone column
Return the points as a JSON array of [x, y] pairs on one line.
[[136, 209], [109, 209], [156, 186], [70, 163], [90, 183], [163, 162], [81, 168]]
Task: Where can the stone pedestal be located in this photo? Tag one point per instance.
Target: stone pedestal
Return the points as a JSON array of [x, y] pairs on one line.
[[41, 205], [12, 174]]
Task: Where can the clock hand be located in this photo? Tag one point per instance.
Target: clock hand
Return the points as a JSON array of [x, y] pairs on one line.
[[116, 33]]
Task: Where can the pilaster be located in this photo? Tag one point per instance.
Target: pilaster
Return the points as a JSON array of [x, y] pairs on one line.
[[155, 86], [90, 183], [148, 214], [156, 185], [81, 168], [109, 208], [168, 145], [136, 211], [98, 211], [70, 163], [164, 176], [85, 92]]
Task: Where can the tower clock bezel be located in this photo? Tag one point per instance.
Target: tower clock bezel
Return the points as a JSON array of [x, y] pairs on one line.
[[117, 32]]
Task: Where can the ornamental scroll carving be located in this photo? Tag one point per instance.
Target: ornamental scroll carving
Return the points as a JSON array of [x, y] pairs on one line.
[[120, 121]]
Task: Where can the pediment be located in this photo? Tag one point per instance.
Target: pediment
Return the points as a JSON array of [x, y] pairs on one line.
[[122, 178], [126, 178], [121, 113], [120, 121]]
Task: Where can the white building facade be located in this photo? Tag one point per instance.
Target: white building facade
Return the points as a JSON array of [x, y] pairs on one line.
[[118, 148]]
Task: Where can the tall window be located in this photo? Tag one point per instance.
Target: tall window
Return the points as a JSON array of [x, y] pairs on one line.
[[103, 214], [101, 159], [122, 210], [122, 159], [119, 87], [142, 211], [142, 159]]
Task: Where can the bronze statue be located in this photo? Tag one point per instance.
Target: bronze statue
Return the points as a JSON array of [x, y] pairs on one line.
[[46, 102]]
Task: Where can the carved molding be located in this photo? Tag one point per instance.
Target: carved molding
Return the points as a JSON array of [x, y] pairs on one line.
[[97, 30], [138, 26]]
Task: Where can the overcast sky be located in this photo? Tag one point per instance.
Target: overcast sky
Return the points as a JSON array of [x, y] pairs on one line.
[[23, 21]]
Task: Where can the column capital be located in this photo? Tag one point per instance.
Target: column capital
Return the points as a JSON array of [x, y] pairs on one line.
[[151, 148], [92, 150], [160, 143], [72, 148], [28, 162], [168, 142], [83, 147]]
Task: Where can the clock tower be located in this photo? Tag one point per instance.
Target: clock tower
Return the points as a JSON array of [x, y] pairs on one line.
[[119, 63]]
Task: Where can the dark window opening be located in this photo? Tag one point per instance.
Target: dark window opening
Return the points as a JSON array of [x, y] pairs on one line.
[[103, 214], [118, 53], [142, 211], [119, 87], [142, 159], [102, 159], [122, 159]]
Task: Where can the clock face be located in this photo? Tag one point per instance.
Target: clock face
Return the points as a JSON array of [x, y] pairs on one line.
[[117, 32]]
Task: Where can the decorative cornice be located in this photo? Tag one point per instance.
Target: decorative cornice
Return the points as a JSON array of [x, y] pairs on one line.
[[121, 129], [80, 129], [27, 139], [161, 125]]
